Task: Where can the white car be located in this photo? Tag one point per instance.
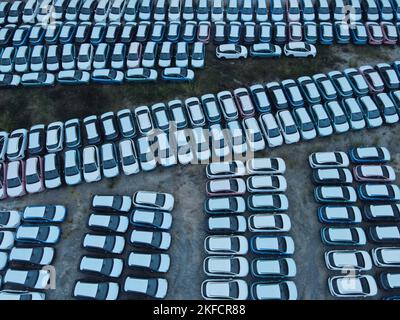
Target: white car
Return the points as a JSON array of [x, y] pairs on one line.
[[17, 144], [231, 51], [72, 167], [156, 262], [226, 245], [52, 171], [284, 290], [341, 260], [184, 150], [151, 219], [109, 159], [237, 137], [44, 213], [117, 10], [85, 57], [16, 179], [104, 243], [353, 286], [128, 157], [96, 291], [146, 155], [232, 169], [34, 175], [55, 136], [8, 295], [270, 129], [201, 143], [265, 166], [266, 184], [253, 134], [388, 257], [109, 223], [38, 234], [287, 126], [153, 200], [151, 239], [42, 256], [321, 120], [91, 164], [164, 152], [219, 143], [10, 219], [337, 116], [224, 289], [269, 223], [232, 223], [30, 279], [7, 239], [299, 50], [304, 123], [152, 287], [337, 159], [113, 203], [226, 266], [107, 267]]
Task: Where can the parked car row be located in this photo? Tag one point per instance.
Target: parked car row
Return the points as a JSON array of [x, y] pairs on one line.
[[343, 217], [33, 11], [150, 215], [26, 243], [229, 231]]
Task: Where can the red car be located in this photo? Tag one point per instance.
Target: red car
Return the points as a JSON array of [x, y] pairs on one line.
[[3, 185], [244, 102], [374, 173], [389, 31], [375, 34], [373, 79], [203, 31]]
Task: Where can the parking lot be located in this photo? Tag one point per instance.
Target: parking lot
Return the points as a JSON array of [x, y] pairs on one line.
[[23, 107]]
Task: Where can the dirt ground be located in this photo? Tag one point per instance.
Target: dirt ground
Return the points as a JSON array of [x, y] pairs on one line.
[[187, 183]]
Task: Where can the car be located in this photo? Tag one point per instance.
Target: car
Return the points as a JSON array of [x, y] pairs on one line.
[[280, 31], [389, 75], [85, 57], [22, 57], [92, 130], [309, 90], [387, 108], [113, 244], [284, 290], [108, 223], [152, 287], [334, 194], [38, 58], [204, 31], [189, 31], [146, 155], [96, 290], [340, 260], [389, 281], [224, 289], [341, 84], [337, 117], [244, 102], [267, 202], [117, 10], [379, 192], [118, 56], [174, 31], [10, 219], [32, 256], [29, 279], [16, 145], [374, 173], [260, 98], [375, 33], [310, 32], [386, 257], [360, 286], [266, 184], [339, 214], [277, 95], [292, 92], [235, 31], [104, 267], [72, 167], [121, 204], [225, 205], [343, 236], [151, 219], [178, 114], [53, 58], [141, 75], [358, 33], [272, 245], [165, 56], [149, 54], [226, 245], [72, 133], [160, 10], [287, 126], [228, 105], [151, 239], [225, 169], [37, 79], [325, 87], [7, 239], [370, 111], [218, 142], [304, 123], [357, 81], [131, 10], [236, 137], [9, 80], [271, 130], [34, 180], [368, 155], [201, 145], [253, 134], [128, 157], [107, 76], [91, 164], [220, 32], [223, 187], [160, 116], [326, 35], [354, 114], [36, 137], [38, 234], [155, 262], [332, 176], [109, 126], [270, 223], [15, 179], [236, 224], [299, 50], [163, 151], [184, 150], [52, 171], [30, 11], [231, 51], [153, 200], [73, 77], [295, 31], [342, 32], [177, 74], [55, 137], [126, 123], [198, 55], [373, 79], [273, 268], [225, 266], [3, 181], [84, 31], [101, 56], [336, 159], [384, 234], [381, 212], [265, 166], [6, 34], [203, 10], [211, 108]]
